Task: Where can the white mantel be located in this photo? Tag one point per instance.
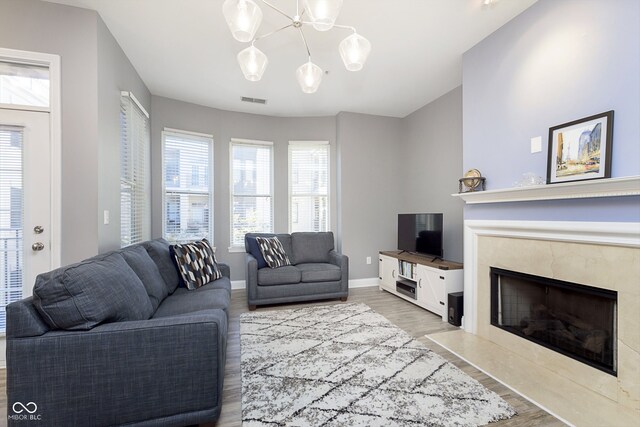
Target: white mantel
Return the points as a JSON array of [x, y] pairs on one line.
[[609, 187]]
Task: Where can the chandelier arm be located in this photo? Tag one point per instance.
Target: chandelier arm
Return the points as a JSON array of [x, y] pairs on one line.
[[264, 36], [304, 39], [344, 27], [276, 9]]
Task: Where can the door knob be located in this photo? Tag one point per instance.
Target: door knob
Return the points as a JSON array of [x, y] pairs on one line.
[[37, 246], [38, 229]]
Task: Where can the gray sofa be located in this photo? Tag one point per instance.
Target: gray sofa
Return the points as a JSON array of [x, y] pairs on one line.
[[113, 340], [317, 270]]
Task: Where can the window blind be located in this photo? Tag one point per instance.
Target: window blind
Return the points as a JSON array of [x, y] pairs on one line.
[[134, 172], [11, 218], [251, 189], [188, 190], [308, 186]]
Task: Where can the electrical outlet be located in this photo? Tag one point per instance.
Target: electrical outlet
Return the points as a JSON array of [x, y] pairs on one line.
[[368, 260], [105, 215]]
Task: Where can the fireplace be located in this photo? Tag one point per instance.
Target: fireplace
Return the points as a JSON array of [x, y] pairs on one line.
[[576, 320]]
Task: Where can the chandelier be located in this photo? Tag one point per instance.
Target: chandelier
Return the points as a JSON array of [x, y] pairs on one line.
[[244, 18]]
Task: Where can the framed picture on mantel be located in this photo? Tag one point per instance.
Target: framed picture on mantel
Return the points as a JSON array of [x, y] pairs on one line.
[[581, 149]]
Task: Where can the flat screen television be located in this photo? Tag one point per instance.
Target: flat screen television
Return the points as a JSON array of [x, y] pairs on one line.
[[420, 233]]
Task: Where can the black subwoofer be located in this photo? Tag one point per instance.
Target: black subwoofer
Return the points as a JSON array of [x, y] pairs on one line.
[[455, 308]]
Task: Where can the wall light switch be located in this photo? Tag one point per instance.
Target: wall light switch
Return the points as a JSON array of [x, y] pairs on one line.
[[368, 260], [536, 144], [106, 217]]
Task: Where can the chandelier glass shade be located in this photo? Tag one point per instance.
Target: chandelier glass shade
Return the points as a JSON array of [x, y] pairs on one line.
[[252, 63], [354, 51], [244, 18], [323, 13], [309, 76]]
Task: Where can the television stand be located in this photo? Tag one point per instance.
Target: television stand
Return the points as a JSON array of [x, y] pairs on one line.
[[422, 280]]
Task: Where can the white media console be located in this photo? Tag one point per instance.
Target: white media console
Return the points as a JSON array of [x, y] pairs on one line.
[[420, 280]]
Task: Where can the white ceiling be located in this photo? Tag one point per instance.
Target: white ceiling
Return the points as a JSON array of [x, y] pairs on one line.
[[183, 50]]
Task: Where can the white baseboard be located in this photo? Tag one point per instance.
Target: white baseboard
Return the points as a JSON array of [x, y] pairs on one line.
[[353, 283], [238, 284], [363, 283]]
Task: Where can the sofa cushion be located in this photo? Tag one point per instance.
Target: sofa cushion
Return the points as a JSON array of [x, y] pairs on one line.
[[196, 263], [273, 252], [285, 239], [312, 247], [319, 272], [184, 301], [278, 276], [147, 271], [158, 250], [98, 290], [252, 247]]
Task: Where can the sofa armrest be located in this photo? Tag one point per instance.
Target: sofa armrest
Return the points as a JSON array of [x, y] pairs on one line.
[[225, 269], [121, 372], [251, 278], [341, 261]]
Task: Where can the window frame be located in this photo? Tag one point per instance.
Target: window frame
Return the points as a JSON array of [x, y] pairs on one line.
[[290, 181], [249, 142], [145, 232], [211, 171]]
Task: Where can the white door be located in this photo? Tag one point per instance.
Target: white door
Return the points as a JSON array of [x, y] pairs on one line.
[[388, 271], [431, 290], [25, 204]]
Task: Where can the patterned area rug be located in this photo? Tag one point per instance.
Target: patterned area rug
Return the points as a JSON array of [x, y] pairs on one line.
[[345, 365]]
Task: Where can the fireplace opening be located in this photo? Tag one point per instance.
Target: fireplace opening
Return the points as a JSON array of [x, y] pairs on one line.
[[576, 320]]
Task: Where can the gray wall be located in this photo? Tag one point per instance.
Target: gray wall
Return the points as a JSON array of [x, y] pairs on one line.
[[370, 188], [94, 70], [71, 33], [224, 125], [558, 61], [431, 164], [115, 74]]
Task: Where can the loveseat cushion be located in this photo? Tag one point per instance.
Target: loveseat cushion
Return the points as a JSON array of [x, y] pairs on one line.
[[312, 247], [278, 276], [254, 249], [319, 272], [147, 271], [98, 290], [273, 252], [158, 250], [285, 239], [184, 301]]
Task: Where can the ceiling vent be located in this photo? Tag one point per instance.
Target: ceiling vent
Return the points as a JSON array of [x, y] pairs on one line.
[[253, 100]]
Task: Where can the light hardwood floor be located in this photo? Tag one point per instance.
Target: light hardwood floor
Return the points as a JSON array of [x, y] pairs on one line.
[[414, 320]]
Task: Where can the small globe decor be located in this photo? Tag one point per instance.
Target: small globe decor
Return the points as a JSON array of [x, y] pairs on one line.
[[472, 181]]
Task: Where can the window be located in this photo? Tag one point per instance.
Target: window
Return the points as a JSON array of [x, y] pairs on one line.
[[11, 218], [308, 186], [188, 189], [24, 84], [134, 171], [251, 189]]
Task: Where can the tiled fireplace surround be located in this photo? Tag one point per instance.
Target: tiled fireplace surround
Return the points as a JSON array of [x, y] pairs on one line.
[[602, 255]]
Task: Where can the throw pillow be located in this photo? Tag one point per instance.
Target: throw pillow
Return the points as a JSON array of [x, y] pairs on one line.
[[273, 252], [196, 263], [254, 250]]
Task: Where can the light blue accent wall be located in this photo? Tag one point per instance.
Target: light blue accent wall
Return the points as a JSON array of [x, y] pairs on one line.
[[558, 61]]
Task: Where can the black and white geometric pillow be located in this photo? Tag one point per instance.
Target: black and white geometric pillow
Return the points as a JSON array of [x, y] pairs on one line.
[[273, 252], [196, 263]]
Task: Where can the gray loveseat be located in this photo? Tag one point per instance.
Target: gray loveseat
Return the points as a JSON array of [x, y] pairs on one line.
[[317, 270], [113, 340]]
